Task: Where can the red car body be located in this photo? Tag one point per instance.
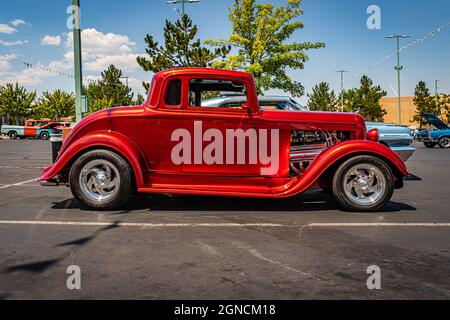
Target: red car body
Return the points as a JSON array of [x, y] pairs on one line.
[[143, 136]]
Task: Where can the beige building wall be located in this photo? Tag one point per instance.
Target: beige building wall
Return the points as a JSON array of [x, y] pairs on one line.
[[407, 111]]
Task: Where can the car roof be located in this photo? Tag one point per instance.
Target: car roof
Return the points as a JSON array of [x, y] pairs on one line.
[[204, 71]]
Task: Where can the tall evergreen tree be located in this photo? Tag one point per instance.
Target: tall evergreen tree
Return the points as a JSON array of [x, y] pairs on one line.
[[366, 100], [180, 49], [109, 91], [322, 99], [424, 102], [261, 36]]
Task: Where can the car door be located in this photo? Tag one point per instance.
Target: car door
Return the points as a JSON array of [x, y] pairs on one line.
[[224, 141]]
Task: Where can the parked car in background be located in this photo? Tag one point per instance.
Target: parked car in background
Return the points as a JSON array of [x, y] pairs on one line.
[[32, 129], [398, 138], [265, 102], [438, 134]]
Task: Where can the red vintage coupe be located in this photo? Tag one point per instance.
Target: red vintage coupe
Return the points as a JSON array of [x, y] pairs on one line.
[[173, 144]]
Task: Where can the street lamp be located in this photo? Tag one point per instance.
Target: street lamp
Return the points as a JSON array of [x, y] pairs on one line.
[[183, 2], [342, 87], [399, 68]]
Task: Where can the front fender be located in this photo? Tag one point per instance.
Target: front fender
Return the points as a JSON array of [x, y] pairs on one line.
[[334, 155], [102, 139]]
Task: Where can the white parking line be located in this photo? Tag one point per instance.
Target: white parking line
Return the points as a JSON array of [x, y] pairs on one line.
[[318, 225], [18, 184], [140, 225], [219, 225]]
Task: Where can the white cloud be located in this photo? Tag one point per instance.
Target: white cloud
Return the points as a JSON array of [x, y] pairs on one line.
[[4, 28], [99, 51], [123, 61], [13, 43], [51, 40], [17, 22]]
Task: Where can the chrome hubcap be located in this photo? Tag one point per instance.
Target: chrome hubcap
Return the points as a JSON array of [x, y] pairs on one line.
[[445, 142], [365, 184], [99, 180]]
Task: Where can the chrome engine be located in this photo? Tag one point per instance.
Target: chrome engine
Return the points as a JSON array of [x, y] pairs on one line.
[[306, 146]]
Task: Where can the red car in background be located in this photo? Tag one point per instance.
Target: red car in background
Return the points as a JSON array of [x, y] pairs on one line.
[[172, 144]]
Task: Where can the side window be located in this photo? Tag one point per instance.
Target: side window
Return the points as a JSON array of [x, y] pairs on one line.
[[173, 93], [206, 93]]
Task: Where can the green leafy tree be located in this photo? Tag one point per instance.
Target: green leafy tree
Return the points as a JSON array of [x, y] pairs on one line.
[[260, 36], [109, 91], [366, 100], [424, 102], [55, 105], [322, 99], [180, 49], [16, 103]]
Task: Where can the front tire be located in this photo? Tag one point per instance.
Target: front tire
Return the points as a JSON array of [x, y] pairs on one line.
[[44, 136], [444, 142], [363, 184], [101, 179]]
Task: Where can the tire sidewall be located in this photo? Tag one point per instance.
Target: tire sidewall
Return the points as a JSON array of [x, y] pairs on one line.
[[45, 135], [125, 172], [440, 143], [13, 135], [346, 202]]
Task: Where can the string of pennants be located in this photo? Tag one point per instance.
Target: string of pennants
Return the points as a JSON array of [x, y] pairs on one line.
[[30, 65], [410, 44]]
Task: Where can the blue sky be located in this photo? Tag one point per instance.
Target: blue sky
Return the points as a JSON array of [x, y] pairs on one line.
[[114, 31]]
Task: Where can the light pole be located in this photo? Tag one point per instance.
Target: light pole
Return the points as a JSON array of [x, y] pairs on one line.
[[342, 87], [399, 69], [183, 2], [126, 79], [77, 55]]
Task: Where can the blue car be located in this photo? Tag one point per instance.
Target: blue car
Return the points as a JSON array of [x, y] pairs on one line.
[[438, 135]]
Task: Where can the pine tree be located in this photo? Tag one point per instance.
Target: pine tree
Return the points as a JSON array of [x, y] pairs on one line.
[[322, 99], [424, 102], [109, 91], [180, 49], [366, 100]]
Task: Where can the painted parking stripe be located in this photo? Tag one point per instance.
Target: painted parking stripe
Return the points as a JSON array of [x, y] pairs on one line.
[[140, 225], [318, 225], [18, 184], [217, 225]]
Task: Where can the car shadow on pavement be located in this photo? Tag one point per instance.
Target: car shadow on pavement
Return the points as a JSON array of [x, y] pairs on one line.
[[308, 202]]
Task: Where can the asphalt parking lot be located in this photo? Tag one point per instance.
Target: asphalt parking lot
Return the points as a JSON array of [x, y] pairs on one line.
[[180, 247]]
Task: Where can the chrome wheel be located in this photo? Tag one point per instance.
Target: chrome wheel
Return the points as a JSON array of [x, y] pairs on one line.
[[99, 180], [445, 142], [365, 184]]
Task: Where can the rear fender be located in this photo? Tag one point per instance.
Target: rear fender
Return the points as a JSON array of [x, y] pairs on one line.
[[103, 139], [335, 155]]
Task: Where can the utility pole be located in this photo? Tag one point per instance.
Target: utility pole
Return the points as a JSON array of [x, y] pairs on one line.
[[183, 3], [126, 79], [399, 68], [342, 88], [77, 55]]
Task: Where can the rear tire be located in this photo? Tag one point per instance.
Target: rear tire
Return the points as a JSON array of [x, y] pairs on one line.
[[363, 184], [101, 179], [430, 145], [12, 135], [444, 142]]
